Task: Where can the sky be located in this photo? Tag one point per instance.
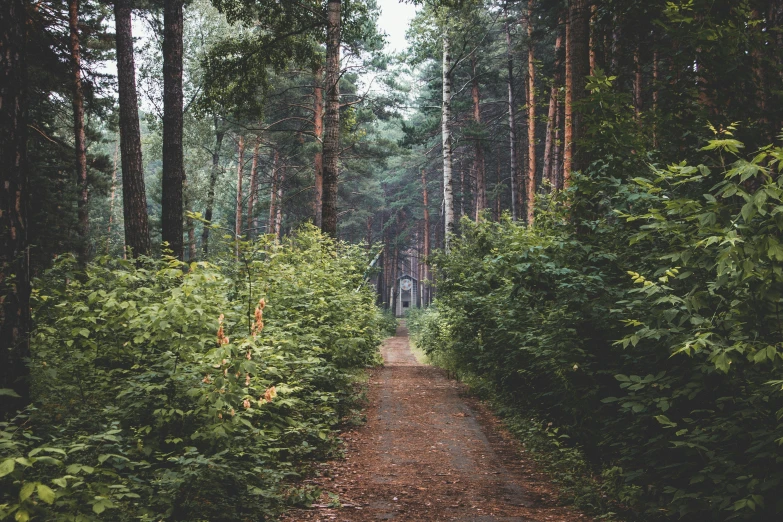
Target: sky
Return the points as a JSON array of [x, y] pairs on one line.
[[394, 20]]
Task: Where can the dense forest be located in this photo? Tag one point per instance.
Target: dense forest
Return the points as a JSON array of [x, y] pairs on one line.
[[206, 207]]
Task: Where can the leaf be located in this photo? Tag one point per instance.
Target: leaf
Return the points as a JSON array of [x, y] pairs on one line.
[[7, 467], [46, 493], [26, 491], [664, 420], [22, 516], [8, 392]]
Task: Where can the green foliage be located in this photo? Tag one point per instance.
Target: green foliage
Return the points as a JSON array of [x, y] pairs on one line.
[[668, 380], [168, 391]]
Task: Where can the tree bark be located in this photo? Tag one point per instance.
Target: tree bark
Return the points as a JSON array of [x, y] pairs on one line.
[[448, 189], [318, 130], [238, 215], [551, 124], [426, 245], [481, 177], [79, 140], [530, 189], [637, 83], [213, 177], [279, 202], [134, 197], [512, 135], [113, 194], [253, 196], [270, 227], [173, 161], [331, 144], [15, 320], [577, 68]]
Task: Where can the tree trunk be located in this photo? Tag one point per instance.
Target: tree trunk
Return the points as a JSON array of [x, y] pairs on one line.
[[656, 78], [213, 177], [577, 68], [593, 38], [238, 214], [270, 227], [318, 129], [481, 178], [173, 161], [426, 245], [134, 197], [113, 194], [253, 196], [279, 202], [331, 143], [637, 83], [551, 124], [79, 140], [15, 320], [530, 189], [512, 136], [557, 148], [448, 189]]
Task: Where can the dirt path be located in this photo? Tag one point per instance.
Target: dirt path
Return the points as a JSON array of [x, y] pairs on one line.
[[428, 454]]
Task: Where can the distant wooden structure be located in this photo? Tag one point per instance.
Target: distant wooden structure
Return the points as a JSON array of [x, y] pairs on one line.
[[401, 283]]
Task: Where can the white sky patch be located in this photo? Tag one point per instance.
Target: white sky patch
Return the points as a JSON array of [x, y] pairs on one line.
[[395, 18]]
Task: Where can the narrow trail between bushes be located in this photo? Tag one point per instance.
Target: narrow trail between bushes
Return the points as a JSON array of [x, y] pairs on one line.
[[428, 453]]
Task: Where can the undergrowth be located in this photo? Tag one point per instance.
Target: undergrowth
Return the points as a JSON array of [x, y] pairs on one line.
[[166, 391]]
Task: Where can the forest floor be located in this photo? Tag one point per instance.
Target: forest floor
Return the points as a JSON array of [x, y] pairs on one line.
[[429, 452]]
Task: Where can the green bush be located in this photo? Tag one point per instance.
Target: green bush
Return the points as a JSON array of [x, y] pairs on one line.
[[172, 391], [644, 321]]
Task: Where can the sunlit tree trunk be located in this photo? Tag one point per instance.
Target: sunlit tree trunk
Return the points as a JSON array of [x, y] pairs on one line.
[[213, 177], [448, 189], [79, 140], [331, 143], [15, 320], [173, 160], [134, 197], [512, 136]]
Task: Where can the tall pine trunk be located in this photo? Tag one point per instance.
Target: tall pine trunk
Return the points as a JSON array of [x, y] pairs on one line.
[[481, 176], [551, 124], [331, 143], [134, 196], [577, 69], [426, 245], [15, 320], [270, 227], [448, 189], [112, 195], [530, 189], [213, 177], [173, 161], [253, 195], [238, 215], [279, 202], [79, 140], [512, 135], [318, 130], [637, 83]]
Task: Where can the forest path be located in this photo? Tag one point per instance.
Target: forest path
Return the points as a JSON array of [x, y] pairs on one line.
[[427, 453]]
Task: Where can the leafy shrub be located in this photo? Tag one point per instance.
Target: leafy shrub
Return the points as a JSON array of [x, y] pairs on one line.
[[188, 392], [642, 320]]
